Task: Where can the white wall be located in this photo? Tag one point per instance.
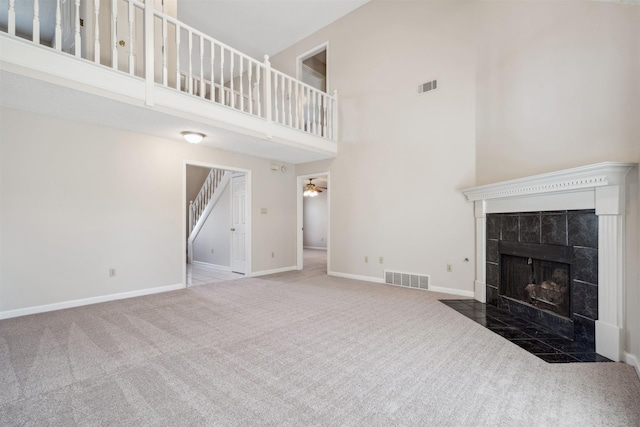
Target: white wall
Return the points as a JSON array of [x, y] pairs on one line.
[[557, 86], [213, 243], [315, 212], [403, 157], [79, 199]]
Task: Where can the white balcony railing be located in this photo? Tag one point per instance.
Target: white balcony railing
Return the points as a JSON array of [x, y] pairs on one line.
[[132, 37]]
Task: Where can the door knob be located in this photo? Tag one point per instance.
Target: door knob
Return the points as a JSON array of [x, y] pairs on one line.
[[233, 229], [122, 43]]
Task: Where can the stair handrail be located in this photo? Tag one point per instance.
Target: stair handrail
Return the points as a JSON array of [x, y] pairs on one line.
[[198, 205]]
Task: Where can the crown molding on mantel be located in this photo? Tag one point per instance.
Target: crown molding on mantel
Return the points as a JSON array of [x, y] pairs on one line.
[[597, 175]]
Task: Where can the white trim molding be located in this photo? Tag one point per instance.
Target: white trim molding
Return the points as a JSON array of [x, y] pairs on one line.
[[356, 277], [274, 271], [601, 187], [87, 301], [451, 291]]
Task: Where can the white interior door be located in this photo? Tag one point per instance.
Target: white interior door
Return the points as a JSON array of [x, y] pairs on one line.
[[238, 224]]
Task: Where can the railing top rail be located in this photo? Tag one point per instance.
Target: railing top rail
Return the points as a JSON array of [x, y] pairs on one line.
[[192, 30], [303, 84]]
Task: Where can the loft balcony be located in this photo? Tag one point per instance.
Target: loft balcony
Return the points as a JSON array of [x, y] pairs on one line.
[[125, 64]]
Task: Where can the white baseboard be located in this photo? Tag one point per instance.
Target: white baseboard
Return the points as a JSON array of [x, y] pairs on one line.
[[86, 301], [318, 248], [208, 264], [274, 271], [356, 277], [459, 292], [632, 360]]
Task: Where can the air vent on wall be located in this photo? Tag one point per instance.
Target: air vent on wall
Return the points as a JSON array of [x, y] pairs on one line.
[[428, 86], [407, 280]]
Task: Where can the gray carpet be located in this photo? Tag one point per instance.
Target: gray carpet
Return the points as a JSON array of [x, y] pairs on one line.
[[297, 348]]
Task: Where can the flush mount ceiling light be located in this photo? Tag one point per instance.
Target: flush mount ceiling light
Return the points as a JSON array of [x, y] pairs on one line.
[[193, 137]]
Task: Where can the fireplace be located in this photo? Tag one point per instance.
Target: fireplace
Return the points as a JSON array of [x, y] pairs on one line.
[[582, 210], [543, 267]]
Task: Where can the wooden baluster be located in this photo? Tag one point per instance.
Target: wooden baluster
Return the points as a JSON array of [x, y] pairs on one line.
[[308, 105], [299, 105], [114, 34], [78, 40], [315, 112], [190, 216], [257, 91], [213, 88], [282, 104], [232, 94], [324, 115], [190, 76], [11, 18], [165, 69], [329, 118], [290, 101], [275, 96], [221, 95], [36, 21], [178, 31], [58, 31], [313, 115], [250, 80], [202, 85], [132, 16], [241, 88], [96, 35]]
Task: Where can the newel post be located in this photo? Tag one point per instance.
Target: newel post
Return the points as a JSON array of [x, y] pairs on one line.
[[149, 56], [267, 88]]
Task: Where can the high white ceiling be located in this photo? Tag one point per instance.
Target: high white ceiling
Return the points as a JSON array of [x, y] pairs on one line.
[[259, 27]]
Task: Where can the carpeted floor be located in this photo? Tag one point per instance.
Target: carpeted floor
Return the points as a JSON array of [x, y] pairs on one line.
[[297, 348]]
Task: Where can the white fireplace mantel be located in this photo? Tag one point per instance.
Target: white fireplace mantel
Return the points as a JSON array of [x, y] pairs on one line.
[[601, 187]]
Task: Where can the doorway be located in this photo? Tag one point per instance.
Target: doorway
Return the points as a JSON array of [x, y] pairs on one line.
[[312, 68], [218, 244], [313, 219]]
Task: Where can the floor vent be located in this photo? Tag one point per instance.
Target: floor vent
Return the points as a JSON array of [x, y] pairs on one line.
[[426, 87], [407, 280]]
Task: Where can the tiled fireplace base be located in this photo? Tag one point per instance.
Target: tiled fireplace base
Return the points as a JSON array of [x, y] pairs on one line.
[[532, 338]]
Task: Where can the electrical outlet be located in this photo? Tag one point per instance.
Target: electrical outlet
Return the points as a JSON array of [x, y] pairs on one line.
[[449, 268], [381, 260], [366, 259], [112, 272]]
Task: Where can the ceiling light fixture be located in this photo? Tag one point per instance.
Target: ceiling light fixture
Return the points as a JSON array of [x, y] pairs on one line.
[[193, 137], [311, 190]]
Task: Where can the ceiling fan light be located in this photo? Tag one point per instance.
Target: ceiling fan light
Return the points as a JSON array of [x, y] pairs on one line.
[[193, 137]]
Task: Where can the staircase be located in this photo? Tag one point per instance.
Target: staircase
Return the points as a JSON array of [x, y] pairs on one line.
[[204, 203]]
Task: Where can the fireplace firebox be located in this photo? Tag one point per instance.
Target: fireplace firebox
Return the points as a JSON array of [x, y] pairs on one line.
[[541, 284]]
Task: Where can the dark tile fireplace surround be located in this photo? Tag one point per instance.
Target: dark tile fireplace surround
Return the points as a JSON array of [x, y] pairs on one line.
[[543, 267]]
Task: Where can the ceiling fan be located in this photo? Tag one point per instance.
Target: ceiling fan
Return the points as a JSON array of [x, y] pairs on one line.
[[312, 190]]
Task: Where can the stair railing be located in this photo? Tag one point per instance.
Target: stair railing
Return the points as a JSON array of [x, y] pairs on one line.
[[197, 206]]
